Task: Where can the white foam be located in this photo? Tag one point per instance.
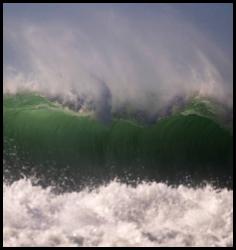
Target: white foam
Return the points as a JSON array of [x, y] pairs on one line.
[[151, 214]]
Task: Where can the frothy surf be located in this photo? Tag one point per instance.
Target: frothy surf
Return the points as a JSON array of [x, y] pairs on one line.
[[150, 214]]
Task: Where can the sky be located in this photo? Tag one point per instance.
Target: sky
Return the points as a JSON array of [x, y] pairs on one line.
[[140, 52]]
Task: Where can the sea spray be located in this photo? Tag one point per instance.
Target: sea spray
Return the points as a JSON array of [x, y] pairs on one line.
[[111, 93]]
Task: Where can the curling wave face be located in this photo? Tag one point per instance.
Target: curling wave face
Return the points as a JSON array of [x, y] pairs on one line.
[[42, 135]]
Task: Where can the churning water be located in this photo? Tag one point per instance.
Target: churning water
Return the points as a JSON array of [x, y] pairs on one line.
[[150, 214]]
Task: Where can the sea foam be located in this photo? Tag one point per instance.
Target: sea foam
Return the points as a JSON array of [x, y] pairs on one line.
[[150, 214]]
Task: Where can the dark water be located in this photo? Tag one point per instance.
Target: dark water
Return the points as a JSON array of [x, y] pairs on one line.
[[64, 147]]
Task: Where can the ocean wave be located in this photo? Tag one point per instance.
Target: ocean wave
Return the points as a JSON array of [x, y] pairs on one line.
[[55, 141]]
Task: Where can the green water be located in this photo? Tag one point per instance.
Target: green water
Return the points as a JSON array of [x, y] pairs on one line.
[[45, 134]]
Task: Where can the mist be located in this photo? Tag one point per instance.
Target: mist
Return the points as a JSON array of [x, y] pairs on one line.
[[115, 57]]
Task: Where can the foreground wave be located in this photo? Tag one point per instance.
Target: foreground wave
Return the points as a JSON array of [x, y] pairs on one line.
[[52, 141], [150, 214], [74, 199]]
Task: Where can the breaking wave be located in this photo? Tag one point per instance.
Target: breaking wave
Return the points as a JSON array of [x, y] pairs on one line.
[[43, 137]]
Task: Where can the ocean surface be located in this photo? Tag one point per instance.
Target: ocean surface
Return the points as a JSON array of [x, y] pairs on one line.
[[73, 180]]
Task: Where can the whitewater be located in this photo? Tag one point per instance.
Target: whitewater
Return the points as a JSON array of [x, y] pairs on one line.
[[148, 214], [118, 125]]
